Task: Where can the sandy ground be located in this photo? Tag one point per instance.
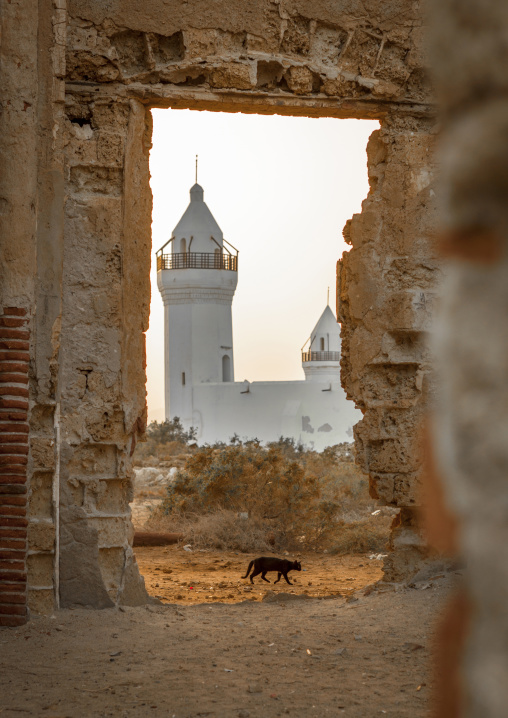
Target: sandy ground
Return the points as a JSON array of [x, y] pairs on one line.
[[363, 656], [178, 576]]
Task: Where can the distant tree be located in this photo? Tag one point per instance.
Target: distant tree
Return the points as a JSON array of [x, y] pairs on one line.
[[170, 430]]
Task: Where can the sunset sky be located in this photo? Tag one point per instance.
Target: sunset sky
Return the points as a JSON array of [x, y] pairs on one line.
[[281, 189]]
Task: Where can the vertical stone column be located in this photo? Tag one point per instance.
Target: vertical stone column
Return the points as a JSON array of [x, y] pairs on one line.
[[386, 290], [105, 313]]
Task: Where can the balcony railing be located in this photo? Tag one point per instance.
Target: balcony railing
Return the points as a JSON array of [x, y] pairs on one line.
[[320, 356], [197, 260]]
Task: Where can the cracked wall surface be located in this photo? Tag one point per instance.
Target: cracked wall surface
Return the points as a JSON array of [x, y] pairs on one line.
[[82, 263]]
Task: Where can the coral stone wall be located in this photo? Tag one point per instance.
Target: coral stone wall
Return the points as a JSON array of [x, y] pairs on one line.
[[387, 291], [76, 206], [291, 58]]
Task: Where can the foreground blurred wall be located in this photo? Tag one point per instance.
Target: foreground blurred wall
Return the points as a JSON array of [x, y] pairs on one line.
[[470, 429]]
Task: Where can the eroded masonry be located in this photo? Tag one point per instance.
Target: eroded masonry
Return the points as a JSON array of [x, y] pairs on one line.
[[76, 205]]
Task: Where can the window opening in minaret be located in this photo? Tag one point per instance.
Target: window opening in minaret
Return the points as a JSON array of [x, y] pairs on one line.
[[322, 344], [226, 368], [183, 246]]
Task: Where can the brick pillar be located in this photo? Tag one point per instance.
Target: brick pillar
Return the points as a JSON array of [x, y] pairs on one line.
[[14, 336]]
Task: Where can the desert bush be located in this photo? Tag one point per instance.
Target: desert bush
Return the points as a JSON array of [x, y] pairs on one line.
[[293, 498], [164, 441]]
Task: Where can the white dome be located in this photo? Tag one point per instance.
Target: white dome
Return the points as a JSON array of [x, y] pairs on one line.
[[195, 230]]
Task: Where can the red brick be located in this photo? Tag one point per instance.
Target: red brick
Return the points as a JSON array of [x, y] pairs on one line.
[[12, 511], [12, 564], [12, 554], [13, 521], [18, 489], [12, 475], [11, 597], [6, 500], [6, 415], [14, 356], [11, 460], [12, 322], [13, 620], [15, 311], [13, 532], [13, 610], [12, 544], [10, 426], [13, 391], [16, 478], [13, 438], [17, 366], [10, 346], [13, 404], [14, 449], [9, 378], [14, 576], [14, 333]]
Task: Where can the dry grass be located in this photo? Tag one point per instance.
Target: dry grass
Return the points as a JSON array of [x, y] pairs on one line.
[[292, 499], [222, 529]]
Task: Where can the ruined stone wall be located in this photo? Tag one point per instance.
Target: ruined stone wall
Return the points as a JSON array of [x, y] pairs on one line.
[[79, 219], [387, 291]]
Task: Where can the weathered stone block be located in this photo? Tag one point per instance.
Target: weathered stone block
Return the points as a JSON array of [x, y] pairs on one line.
[[300, 80], [41, 536], [41, 419], [96, 181], [40, 570], [93, 460], [112, 530], [110, 148], [43, 453], [41, 602], [41, 488], [391, 386], [234, 75], [112, 496], [111, 562]]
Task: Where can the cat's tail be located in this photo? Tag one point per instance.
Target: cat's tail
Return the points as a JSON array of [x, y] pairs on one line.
[[251, 564]]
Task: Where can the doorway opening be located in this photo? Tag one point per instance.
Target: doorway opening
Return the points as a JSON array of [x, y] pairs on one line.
[[281, 189]]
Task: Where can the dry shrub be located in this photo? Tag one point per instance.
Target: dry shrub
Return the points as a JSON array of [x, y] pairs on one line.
[[222, 529], [368, 534], [293, 499]]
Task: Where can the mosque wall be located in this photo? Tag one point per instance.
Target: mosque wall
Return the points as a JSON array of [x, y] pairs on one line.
[[312, 413], [78, 216]]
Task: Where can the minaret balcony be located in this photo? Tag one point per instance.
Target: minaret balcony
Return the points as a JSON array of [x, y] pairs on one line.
[[197, 260], [320, 356]]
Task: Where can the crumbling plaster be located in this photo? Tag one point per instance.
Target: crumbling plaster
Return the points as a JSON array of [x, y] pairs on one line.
[[92, 253]]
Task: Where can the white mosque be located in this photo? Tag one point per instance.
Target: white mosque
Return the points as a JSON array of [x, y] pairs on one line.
[[197, 274]]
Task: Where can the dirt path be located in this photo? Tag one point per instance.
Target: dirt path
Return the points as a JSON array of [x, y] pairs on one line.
[[284, 656], [178, 576]]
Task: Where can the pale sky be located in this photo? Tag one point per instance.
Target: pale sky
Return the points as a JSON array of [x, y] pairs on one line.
[[281, 189]]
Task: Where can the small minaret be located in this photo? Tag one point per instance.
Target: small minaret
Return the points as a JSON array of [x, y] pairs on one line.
[[321, 360], [197, 277]]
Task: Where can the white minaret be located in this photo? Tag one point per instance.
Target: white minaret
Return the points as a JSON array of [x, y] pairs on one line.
[[321, 361], [197, 279]]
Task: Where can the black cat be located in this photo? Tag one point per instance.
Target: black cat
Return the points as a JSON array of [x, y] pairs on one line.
[[264, 564]]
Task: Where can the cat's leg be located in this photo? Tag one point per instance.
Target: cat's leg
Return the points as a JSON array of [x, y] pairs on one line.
[[287, 579], [254, 573], [278, 577], [263, 576]]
